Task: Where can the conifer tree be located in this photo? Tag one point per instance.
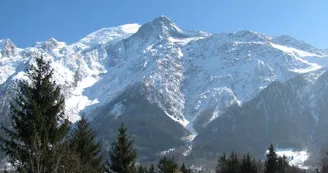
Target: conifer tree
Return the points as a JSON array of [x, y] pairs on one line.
[[271, 164], [282, 163], [233, 163], [166, 165], [33, 143], [84, 144], [71, 161], [222, 164], [248, 165], [229, 164], [122, 154]]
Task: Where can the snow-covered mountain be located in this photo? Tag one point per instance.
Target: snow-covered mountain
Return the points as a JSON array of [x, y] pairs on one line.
[[170, 83]]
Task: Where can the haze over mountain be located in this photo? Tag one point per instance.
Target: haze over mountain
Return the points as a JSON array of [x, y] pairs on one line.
[[191, 92]]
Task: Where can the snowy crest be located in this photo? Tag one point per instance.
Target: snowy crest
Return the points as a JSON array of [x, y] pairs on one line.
[[188, 74]]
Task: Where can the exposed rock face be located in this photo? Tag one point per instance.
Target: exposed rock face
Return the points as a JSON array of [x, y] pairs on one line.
[[234, 91]]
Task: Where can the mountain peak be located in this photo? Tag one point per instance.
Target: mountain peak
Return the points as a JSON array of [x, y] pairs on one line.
[[51, 43], [53, 40], [7, 48], [6, 43], [163, 20], [105, 36], [164, 24], [160, 27], [289, 41], [248, 35]]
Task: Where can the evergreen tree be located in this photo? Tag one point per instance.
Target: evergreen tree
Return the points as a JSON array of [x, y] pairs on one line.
[[71, 162], [222, 164], [271, 165], [248, 165], [282, 163], [229, 164], [33, 143], [122, 154], [84, 144], [233, 163], [167, 166]]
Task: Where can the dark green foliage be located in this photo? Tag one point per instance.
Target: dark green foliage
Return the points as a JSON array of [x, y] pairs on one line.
[[35, 136], [248, 165], [235, 164], [282, 163], [71, 162], [122, 154], [222, 164], [271, 164], [84, 144], [166, 165], [274, 163]]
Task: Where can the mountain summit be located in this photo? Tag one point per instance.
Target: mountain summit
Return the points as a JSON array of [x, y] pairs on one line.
[[182, 90]]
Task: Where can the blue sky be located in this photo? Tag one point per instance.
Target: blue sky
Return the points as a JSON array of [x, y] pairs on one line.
[[28, 21]]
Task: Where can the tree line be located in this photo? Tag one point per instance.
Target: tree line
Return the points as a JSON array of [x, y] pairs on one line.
[[40, 139]]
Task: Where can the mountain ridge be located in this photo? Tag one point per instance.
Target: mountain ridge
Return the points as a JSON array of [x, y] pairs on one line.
[[192, 77]]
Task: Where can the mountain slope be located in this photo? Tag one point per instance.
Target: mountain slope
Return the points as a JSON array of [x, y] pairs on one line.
[[196, 82]]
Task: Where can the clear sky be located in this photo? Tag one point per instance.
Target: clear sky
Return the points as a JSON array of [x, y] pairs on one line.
[[28, 21]]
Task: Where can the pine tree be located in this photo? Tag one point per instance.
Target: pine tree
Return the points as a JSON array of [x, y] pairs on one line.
[[71, 162], [33, 143], [271, 165], [167, 166], [248, 165], [222, 164], [84, 144], [229, 164], [122, 154], [282, 163], [233, 163]]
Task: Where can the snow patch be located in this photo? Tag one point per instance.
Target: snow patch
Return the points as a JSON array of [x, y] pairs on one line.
[[296, 158], [163, 153], [118, 109], [293, 51]]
